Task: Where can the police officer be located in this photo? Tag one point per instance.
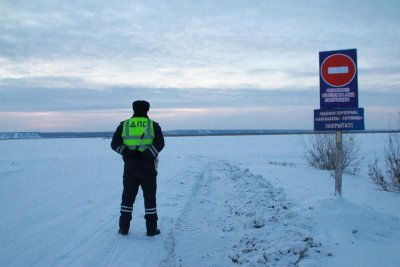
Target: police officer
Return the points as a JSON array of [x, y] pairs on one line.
[[139, 140]]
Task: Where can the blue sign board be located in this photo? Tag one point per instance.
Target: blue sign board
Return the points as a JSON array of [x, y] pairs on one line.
[[338, 79], [339, 119]]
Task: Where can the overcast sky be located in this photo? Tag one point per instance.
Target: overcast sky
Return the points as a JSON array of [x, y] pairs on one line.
[[202, 64]]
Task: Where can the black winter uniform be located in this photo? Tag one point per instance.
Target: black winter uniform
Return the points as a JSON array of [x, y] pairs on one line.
[[139, 170]]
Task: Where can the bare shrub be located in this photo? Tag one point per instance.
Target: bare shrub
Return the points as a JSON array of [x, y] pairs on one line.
[[390, 182], [375, 173], [321, 152], [393, 160]]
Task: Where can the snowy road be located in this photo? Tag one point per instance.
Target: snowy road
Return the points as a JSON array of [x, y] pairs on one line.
[[59, 202]]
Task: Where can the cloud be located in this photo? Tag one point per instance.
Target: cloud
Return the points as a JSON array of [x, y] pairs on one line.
[[86, 55], [183, 44], [31, 96]]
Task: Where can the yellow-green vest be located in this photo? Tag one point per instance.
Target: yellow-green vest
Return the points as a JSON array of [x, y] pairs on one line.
[[138, 133]]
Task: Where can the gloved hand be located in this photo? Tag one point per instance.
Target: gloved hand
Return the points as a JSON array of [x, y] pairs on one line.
[[136, 153], [147, 154], [132, 153]]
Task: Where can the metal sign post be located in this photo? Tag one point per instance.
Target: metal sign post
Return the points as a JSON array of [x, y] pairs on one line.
[[338, 164]]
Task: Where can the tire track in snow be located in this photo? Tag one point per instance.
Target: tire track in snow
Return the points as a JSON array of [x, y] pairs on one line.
[[109, 253], [169, 246], [106, 247], [199, 236], [200, 220], [170, 242]]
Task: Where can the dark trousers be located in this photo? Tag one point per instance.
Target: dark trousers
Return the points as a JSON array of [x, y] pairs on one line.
[[147, 180]]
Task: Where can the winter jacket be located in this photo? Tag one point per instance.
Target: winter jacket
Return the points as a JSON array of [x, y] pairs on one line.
[[142, 158]]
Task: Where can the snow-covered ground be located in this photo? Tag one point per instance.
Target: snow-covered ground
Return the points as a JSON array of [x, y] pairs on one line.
[[222, 201]]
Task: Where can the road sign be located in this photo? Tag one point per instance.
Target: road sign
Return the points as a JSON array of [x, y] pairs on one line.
[[339, 119], [338, 101], [338, 79], [338, 70]]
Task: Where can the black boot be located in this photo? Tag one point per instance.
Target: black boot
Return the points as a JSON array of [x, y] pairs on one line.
[[153, 232], [123, 232], [151, 226], [124, 223]]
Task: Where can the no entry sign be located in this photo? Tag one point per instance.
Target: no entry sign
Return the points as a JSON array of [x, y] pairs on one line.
[[338, 70], [338, 92], [338, 79]]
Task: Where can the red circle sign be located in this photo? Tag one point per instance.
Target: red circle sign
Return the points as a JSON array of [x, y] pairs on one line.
[[338, 70]]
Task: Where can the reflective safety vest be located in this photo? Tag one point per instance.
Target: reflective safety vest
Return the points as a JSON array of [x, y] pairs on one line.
[[138, 132]]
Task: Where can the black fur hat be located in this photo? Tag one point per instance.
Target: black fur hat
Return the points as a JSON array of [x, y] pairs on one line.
[[141, 107]]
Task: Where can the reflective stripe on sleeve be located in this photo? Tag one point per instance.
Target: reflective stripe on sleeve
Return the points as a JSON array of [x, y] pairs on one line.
[[153, 151], [120, 149]]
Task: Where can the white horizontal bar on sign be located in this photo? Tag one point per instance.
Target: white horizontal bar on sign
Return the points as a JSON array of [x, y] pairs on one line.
[[338, 70]]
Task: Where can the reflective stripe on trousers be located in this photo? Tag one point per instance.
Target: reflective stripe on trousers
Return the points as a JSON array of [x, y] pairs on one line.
[[126, 209], [151, 211]]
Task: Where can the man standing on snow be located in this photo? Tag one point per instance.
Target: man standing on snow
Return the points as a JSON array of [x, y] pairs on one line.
[[139, 140]]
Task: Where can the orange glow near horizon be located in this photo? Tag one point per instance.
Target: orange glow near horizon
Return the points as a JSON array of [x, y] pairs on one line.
[[272, 117]]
